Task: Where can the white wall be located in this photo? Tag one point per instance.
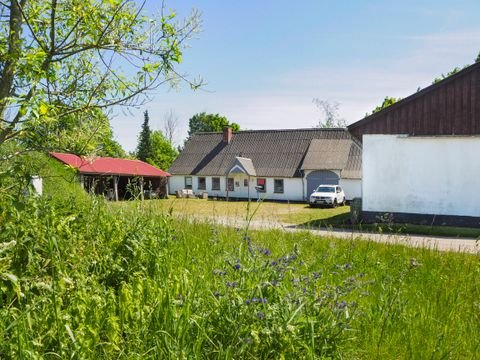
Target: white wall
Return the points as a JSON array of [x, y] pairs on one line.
[[351, 187], [421, 175], [292, 187]]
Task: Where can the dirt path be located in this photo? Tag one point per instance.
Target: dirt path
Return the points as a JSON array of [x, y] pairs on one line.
[[431, 242]]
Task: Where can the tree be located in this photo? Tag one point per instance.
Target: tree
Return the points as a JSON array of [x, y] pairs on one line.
[[144, 147], [163, 152], [331, 118], [477, 60], [203, 122], [78, 133], [453, 72], [386, 103], [170, 126], [58, 58]]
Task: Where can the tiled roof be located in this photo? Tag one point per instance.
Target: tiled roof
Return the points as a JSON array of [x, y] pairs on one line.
[[274, 153], [109, 166], [330, 154]]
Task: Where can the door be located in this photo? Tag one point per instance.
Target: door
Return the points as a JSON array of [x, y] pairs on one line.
[[320, 177]]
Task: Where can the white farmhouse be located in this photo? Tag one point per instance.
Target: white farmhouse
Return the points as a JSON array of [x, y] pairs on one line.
[[285, 165]]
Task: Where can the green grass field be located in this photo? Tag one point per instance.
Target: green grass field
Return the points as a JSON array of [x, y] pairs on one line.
[[296, 214], [132, 281]]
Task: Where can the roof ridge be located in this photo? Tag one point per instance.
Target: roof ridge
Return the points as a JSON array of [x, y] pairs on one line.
[[274, 130]]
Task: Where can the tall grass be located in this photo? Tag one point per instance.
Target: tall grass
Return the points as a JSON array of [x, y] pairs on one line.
[[85, 281]]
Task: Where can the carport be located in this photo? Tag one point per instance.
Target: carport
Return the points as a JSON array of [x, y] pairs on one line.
[[117, 179]]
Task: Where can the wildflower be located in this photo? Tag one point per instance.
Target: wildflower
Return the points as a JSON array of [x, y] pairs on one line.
[[274, 263], [237, 266], [347, 266], [247, 301], [216, 294], [174, 237], [260, 315], [264, 300], [341, 305], [179, 296]]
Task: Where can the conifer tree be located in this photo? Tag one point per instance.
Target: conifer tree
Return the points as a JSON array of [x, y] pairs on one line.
[[144, 147]]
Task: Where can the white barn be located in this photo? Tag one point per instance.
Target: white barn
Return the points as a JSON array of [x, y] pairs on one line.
[[420, 155], [284, 165]]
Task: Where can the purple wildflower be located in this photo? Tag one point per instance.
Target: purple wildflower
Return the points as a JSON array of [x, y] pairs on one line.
[[260, 315]]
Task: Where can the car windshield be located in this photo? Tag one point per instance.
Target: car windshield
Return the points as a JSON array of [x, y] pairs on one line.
[[326, 189]]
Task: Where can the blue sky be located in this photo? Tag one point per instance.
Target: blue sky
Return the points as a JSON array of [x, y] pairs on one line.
[[264, 61]]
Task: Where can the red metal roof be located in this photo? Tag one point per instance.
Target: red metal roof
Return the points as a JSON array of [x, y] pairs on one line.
[[110, 166]]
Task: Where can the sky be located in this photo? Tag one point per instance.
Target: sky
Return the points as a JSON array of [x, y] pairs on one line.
[[264, 62]]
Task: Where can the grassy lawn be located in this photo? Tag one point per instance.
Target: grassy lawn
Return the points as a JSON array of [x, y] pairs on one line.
[[288, 213], [291, 214]]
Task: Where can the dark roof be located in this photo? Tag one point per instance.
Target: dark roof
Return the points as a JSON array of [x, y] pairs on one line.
[[273, 152], [449, 107], [109, 166]]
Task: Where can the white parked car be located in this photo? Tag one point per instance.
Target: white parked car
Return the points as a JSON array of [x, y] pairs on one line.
[[330, 195]]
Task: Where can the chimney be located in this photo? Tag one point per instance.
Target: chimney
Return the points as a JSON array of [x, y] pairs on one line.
[[227, 135]]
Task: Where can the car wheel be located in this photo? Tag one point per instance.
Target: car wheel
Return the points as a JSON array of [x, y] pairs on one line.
[[334, 205], [312, 205], [344, 202]]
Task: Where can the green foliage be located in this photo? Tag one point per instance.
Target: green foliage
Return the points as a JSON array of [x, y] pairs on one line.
[[97, 282], [81, 133], [163, 153], [477, 60], [144, 147], [453, 72], [63, 57], [386, 103], [60, 182], [203, 122]]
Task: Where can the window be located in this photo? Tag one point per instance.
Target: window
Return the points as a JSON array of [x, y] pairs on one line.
[[262, 185], [245, 182], [188, 182], [215, 183], [230, 184], [202, 183], [278, 186]]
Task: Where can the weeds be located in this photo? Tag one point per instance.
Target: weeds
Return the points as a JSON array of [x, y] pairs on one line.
[[88, 281]]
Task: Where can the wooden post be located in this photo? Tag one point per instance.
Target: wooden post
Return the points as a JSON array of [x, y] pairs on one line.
[[82, 181], [115, 187], [226, 184], [141, 188]]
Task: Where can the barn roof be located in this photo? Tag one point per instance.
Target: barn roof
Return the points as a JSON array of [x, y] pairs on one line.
[[109, 166], [448, 107], [274, 153]]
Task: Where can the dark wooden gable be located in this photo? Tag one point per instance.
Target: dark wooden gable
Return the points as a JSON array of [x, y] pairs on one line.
[[450, 107]]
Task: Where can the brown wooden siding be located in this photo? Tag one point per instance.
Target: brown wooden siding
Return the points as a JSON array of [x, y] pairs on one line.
[[450, 107]]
